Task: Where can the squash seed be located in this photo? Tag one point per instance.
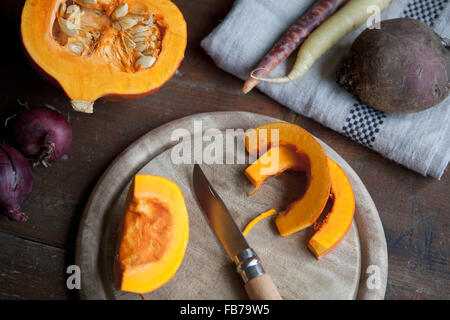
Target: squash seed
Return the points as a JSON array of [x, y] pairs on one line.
[[72, 10], [121, 11], [62, 9], [149, 21], [117, 25], [74, 15], [127, 22], [139, 29], [138, 12], [141, 46], [145, 61], [67, 27], [130, 43], [136, 17], [140, 39], [140, 34], [76, 47]]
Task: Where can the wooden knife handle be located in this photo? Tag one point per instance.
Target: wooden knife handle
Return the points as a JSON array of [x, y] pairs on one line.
[[262, 288]]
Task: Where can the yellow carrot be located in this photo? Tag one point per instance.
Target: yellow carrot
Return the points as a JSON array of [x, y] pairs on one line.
[[350, 17], [319, 12]]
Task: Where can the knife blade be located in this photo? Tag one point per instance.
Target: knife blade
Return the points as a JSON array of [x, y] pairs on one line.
[[217, 213], [258, 284]]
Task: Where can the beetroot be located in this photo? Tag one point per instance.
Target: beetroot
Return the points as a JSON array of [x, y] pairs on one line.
[[400, 68], [16, 182], [42, 134]]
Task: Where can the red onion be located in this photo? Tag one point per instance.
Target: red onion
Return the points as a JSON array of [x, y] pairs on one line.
[[42, 134], [16, 182]]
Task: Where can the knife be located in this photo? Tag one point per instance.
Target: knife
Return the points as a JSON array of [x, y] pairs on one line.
[[258, 284]]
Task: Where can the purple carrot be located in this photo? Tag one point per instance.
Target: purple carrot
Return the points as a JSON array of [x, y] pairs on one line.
[[293, 38]]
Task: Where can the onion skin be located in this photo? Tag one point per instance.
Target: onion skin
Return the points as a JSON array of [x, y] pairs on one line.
[[16, 182], [42, 134]]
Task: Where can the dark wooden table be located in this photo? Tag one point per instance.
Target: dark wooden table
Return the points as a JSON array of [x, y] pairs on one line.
[[34, 255]]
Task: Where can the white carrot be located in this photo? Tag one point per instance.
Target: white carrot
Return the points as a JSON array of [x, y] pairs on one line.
[[350, 17], [297, 33]]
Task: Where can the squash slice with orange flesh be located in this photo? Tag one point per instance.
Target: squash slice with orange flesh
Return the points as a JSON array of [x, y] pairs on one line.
[[117, 49], [153, 235], [332, 225], [273, 163], [303, 212], [335, 225]]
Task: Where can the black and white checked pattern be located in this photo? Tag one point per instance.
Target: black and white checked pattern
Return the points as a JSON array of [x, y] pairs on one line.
[[426, 10], [363, 122]]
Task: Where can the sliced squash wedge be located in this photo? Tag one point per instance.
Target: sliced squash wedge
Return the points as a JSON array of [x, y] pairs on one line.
[[303, 212], [153, 235], [332, 228]]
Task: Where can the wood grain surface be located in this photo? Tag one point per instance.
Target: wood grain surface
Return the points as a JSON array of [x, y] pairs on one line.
[[34, 255]]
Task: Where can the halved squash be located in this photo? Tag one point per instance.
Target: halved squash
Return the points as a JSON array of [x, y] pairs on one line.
[[303, 212], [334, 226], [153, 235], [115, 49]]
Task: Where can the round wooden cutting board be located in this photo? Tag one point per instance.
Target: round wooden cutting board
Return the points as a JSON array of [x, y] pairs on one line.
[[357, 268]]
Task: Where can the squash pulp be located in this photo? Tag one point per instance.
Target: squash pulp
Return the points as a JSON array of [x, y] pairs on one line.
[[153, 235]]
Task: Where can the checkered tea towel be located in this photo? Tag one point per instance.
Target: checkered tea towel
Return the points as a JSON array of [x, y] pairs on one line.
[[420, 141]]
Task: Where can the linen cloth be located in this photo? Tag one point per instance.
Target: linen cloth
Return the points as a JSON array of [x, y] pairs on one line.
[[419, 141]]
